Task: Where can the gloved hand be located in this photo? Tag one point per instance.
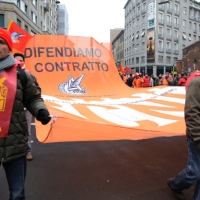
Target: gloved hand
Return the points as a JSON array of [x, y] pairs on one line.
[[43, 116]]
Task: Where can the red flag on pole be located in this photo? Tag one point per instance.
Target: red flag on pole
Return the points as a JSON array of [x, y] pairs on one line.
[[19, 36], [121, 69]]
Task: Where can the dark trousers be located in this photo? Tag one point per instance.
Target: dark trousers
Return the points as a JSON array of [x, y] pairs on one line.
[[15, 174]]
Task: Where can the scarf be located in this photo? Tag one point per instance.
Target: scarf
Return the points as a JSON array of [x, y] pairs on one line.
[[8, 62]]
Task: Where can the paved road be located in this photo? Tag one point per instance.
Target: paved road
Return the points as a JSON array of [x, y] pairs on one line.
[[111, 170]]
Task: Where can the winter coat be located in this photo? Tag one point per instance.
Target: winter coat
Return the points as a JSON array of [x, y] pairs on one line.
[[192, 110], [15, 145]]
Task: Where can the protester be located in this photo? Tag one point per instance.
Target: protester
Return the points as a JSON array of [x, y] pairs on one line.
[[147, 80], [124, 78], [29, 156], [138, 81], [160, 79], [167, 80], [176, 79], [130, 80], [190, 175], [183, 79], [13, 125]]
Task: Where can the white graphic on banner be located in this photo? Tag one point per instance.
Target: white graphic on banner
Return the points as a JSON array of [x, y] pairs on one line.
[[122, 115], [151, 10]]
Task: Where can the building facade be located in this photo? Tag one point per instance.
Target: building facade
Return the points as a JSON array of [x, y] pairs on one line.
[[156, 32], [63, 25], [34, 16], [118, 49]]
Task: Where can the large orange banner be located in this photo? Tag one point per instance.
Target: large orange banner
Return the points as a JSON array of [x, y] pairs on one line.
[[89, 101]]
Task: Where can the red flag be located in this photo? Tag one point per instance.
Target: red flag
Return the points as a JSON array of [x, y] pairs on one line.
[[129, 70], [121, 69], [19, 36]]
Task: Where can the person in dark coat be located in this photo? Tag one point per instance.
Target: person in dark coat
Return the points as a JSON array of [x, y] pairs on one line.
[[13, 124]]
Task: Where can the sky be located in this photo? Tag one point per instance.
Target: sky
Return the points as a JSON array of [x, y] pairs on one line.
[[94, 18]]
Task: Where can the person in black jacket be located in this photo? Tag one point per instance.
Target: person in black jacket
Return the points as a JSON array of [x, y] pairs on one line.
[[13, 124]]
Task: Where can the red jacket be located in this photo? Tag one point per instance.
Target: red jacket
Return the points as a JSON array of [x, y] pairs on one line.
[[146, 82], [182, 82]]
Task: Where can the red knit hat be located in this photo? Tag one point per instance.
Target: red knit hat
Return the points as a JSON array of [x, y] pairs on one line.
[[4, 34]]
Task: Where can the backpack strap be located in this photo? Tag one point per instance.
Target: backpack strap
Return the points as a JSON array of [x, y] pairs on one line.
[[23, 77]]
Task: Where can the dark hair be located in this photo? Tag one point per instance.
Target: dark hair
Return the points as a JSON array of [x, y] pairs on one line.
[[19, 54]]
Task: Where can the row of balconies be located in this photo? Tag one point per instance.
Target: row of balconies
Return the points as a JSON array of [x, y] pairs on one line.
[[168, 23], [168, 37], [170, 10], [169, 51], [161, 1], [197, 19]]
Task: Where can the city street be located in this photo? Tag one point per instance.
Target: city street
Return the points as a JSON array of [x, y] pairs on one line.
[[107, 170]]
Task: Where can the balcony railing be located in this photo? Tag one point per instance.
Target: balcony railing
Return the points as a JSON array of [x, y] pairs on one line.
[[178, 1], [161, 7], [160, 49], [161, 21], [195, 31], [143, 11], [176, 39], [169, 23], [176, 25], [168, 37], [137, 2], [176, 52], [137, 14], [176, 12], [168, 51], [160, 36], [169, 10]]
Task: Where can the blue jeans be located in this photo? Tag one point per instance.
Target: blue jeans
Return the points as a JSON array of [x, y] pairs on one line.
[[15, 174], [191, 174]]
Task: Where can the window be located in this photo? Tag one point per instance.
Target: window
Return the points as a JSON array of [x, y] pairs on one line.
[[34, 2], [190, 25], [168, 45], [184, 36], [189, 38], [175, 46], [176, 8], [26, 9], [175, 20], [168, 59], [18, 3], [195, 37], [175, 60], [184, 23], [2, 20], [161, 15], [160, 29], [137, 60], [168, 31], [143, 59], [41, 25], [169, 18], [184, 10], [160, 59], [132, 61], [18, 22], [33, 17], [143, 45], [176, 33], [26, 28], [160, 44]]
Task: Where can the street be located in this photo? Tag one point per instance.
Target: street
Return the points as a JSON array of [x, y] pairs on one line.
[[107, 170]]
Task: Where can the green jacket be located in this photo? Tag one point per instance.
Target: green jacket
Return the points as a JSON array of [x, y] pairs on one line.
[[16, 145], [192, 110]]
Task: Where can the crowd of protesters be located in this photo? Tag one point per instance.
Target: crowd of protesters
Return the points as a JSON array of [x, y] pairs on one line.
[[139, 80]]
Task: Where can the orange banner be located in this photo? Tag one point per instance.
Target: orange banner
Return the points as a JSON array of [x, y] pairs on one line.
[[88, 100]]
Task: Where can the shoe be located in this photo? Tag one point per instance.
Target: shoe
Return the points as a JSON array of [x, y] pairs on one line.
[[178, 194], [29, 157]]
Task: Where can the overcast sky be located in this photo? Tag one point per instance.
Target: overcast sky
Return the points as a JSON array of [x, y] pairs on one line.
[[94, 18]]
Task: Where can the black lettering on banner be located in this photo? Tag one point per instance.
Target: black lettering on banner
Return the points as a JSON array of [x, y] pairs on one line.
[[40, 51], [98, 64], [80, 53], [59, 66], [76, 65], [36, 67], [67, 64], [49, 69], [28, 53], [91, 63], [35, 52], [98, 53], [84, 66], [59, 52], [102, 67], [89, 53], [49, 51], [74, 52], [66, 52]]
